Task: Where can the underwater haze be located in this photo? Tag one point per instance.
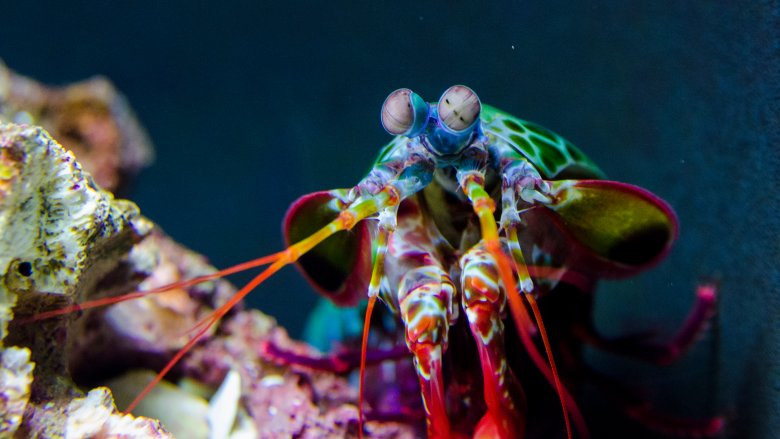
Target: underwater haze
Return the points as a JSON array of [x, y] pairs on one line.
[[252, 104]]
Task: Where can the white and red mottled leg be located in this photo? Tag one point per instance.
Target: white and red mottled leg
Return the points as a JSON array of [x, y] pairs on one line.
[[426, 296], [472, 182], [418, 288], [484, 302]]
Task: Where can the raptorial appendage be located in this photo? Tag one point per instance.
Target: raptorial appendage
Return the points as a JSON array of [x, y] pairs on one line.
[[484, 300]]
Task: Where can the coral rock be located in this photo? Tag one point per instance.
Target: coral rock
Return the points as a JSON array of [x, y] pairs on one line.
[[60, 232], [59, 236], [90, 118], [15, 378], [95, 416]]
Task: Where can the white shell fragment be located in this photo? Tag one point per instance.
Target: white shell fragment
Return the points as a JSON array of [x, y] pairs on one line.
[[224, 406], [227, 418]]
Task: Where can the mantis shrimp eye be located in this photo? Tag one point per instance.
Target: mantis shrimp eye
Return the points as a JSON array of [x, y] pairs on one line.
[[459, 108], [404, 113]]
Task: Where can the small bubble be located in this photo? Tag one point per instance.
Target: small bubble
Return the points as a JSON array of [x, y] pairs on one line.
[[513, 47]]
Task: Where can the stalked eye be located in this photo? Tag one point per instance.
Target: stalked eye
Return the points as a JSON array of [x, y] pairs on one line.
[[404, 113], [459, 108]]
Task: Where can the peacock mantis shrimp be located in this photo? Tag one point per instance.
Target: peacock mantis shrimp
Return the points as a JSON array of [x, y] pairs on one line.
[[475, 222]]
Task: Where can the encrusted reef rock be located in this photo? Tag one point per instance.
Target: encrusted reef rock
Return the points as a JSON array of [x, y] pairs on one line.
[[64, 240], [60, 232], [15, 379], [90, 118], [60, 235]]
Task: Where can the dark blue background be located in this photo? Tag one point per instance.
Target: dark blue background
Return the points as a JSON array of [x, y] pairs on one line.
[[252, 105]]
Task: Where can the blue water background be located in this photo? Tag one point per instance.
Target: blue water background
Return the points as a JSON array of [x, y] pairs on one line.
[[252, 104]]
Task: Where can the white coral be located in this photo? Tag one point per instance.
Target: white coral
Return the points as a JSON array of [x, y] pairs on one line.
[[53, 218], [15, 379], [95, 416]]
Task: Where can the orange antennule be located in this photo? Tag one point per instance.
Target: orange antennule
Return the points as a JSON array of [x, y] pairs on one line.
[[523, 322], [345, 221], [569, 405], [216, 315], [373, 291], [551, 373], [363, 349], [138, 294]]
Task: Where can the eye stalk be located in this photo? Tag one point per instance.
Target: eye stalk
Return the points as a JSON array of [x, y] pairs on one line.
[[445, 128], [459, 108], [404, 112]]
